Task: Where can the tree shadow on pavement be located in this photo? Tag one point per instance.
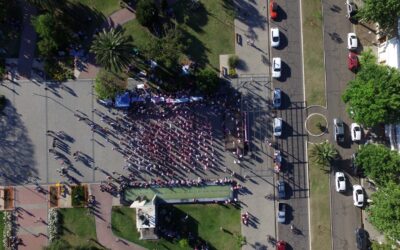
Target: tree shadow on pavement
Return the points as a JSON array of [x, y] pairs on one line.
[[16, 148]]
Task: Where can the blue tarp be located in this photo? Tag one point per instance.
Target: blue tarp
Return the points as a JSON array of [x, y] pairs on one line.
[[123, 100]]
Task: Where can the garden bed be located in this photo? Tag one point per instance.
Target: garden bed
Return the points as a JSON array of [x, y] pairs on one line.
[[79, 195], [54, 196], [8, 198]]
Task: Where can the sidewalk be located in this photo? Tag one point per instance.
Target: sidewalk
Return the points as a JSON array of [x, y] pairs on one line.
[[32, 208], [103, 221], [28, 41]]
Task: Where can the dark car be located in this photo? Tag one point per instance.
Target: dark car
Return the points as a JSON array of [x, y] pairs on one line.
[[277, 98], [273, 9], [352, 62], [281, 189], [361, 239], [338, 132]]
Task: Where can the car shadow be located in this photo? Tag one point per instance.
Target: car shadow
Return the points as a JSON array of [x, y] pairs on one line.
[[285, 72], [283, 41], [281, 14], [285, 102]]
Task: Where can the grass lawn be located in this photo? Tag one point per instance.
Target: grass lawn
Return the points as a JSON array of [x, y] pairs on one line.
[[314, 68], [107, 7], [180, 193], [78, 227], [203, 223], [1, 228], [319, 206], [209, 28]]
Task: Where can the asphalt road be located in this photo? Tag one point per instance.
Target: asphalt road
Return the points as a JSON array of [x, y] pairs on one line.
[[345, 216], [292, 143]]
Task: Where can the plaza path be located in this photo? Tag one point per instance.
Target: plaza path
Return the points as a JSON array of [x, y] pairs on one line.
[[32, 208], [103, 221], [28, 41]]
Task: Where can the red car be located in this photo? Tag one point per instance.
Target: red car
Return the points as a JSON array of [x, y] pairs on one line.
[[281, 245], [273, 9], [352, 61]]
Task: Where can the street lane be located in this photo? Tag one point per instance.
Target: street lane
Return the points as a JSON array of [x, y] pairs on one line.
[[292, 143], [345, 216]]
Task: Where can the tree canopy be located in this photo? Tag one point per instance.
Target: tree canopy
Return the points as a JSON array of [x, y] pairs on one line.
[[108, 84], [384, 12], [146, 12], [373, 97], [379, 163], [112, 49], [207, 80], [384, 212], [323, 153]]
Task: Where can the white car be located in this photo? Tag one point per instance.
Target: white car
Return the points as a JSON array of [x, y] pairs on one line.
[[275, 37], [277, 127], [355, 132], [358, 196], [276, 67], [352, 42], [340, 181]]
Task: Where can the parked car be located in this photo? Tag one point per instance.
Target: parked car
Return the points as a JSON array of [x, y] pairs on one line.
[[281, 189], [281, 212], [281, 245], [275, 39], [277, 98], [277, 126], [354, 167], [355, 132], [352, 41], [338, 130], [358, 196], [273, 9], [352, 62], [361, 239], [340, 181], [351, 8], [276, 67]]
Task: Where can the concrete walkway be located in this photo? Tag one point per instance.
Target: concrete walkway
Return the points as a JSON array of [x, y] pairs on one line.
[[32, 208], [103, 222], [28, 41], [118, 18]]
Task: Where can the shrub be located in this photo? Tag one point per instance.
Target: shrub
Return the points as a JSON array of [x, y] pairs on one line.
[[207, 80], [53, 224], [78, 196], [233, 61], [146, 12], [183, 243], [232, 72], [58, 70], [108, 85]]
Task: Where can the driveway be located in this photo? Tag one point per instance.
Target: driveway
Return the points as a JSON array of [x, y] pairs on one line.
[[345, 216]]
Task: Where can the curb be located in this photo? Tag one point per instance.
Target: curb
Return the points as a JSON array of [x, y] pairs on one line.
[[316, 135]]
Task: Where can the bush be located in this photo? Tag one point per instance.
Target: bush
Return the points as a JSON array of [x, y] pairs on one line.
[[146, 12], [183, 243], [207, 80], [108, 85], [53, 224], [78, 196], [58, 70], [233, 61], [232, 72]]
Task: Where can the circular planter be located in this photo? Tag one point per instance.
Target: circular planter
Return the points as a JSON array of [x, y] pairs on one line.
[[312, 127]]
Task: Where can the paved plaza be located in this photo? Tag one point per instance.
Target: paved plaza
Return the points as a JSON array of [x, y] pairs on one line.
[[37, 112]]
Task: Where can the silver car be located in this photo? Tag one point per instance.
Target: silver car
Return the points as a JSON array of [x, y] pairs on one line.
[[277, 98], [277, 127]]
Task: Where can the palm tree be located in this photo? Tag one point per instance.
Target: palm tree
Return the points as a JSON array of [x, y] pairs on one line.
[[112, 49], [323, 154]]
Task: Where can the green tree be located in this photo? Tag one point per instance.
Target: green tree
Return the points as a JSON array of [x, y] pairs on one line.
[[384, 212], [109, 84], [112, 49], [323, 153], [379, 163], [49, 5], [47, 47], [233, 61], [373, 97], [207, 80], [146, 12], [45, 25], [383, 12]]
